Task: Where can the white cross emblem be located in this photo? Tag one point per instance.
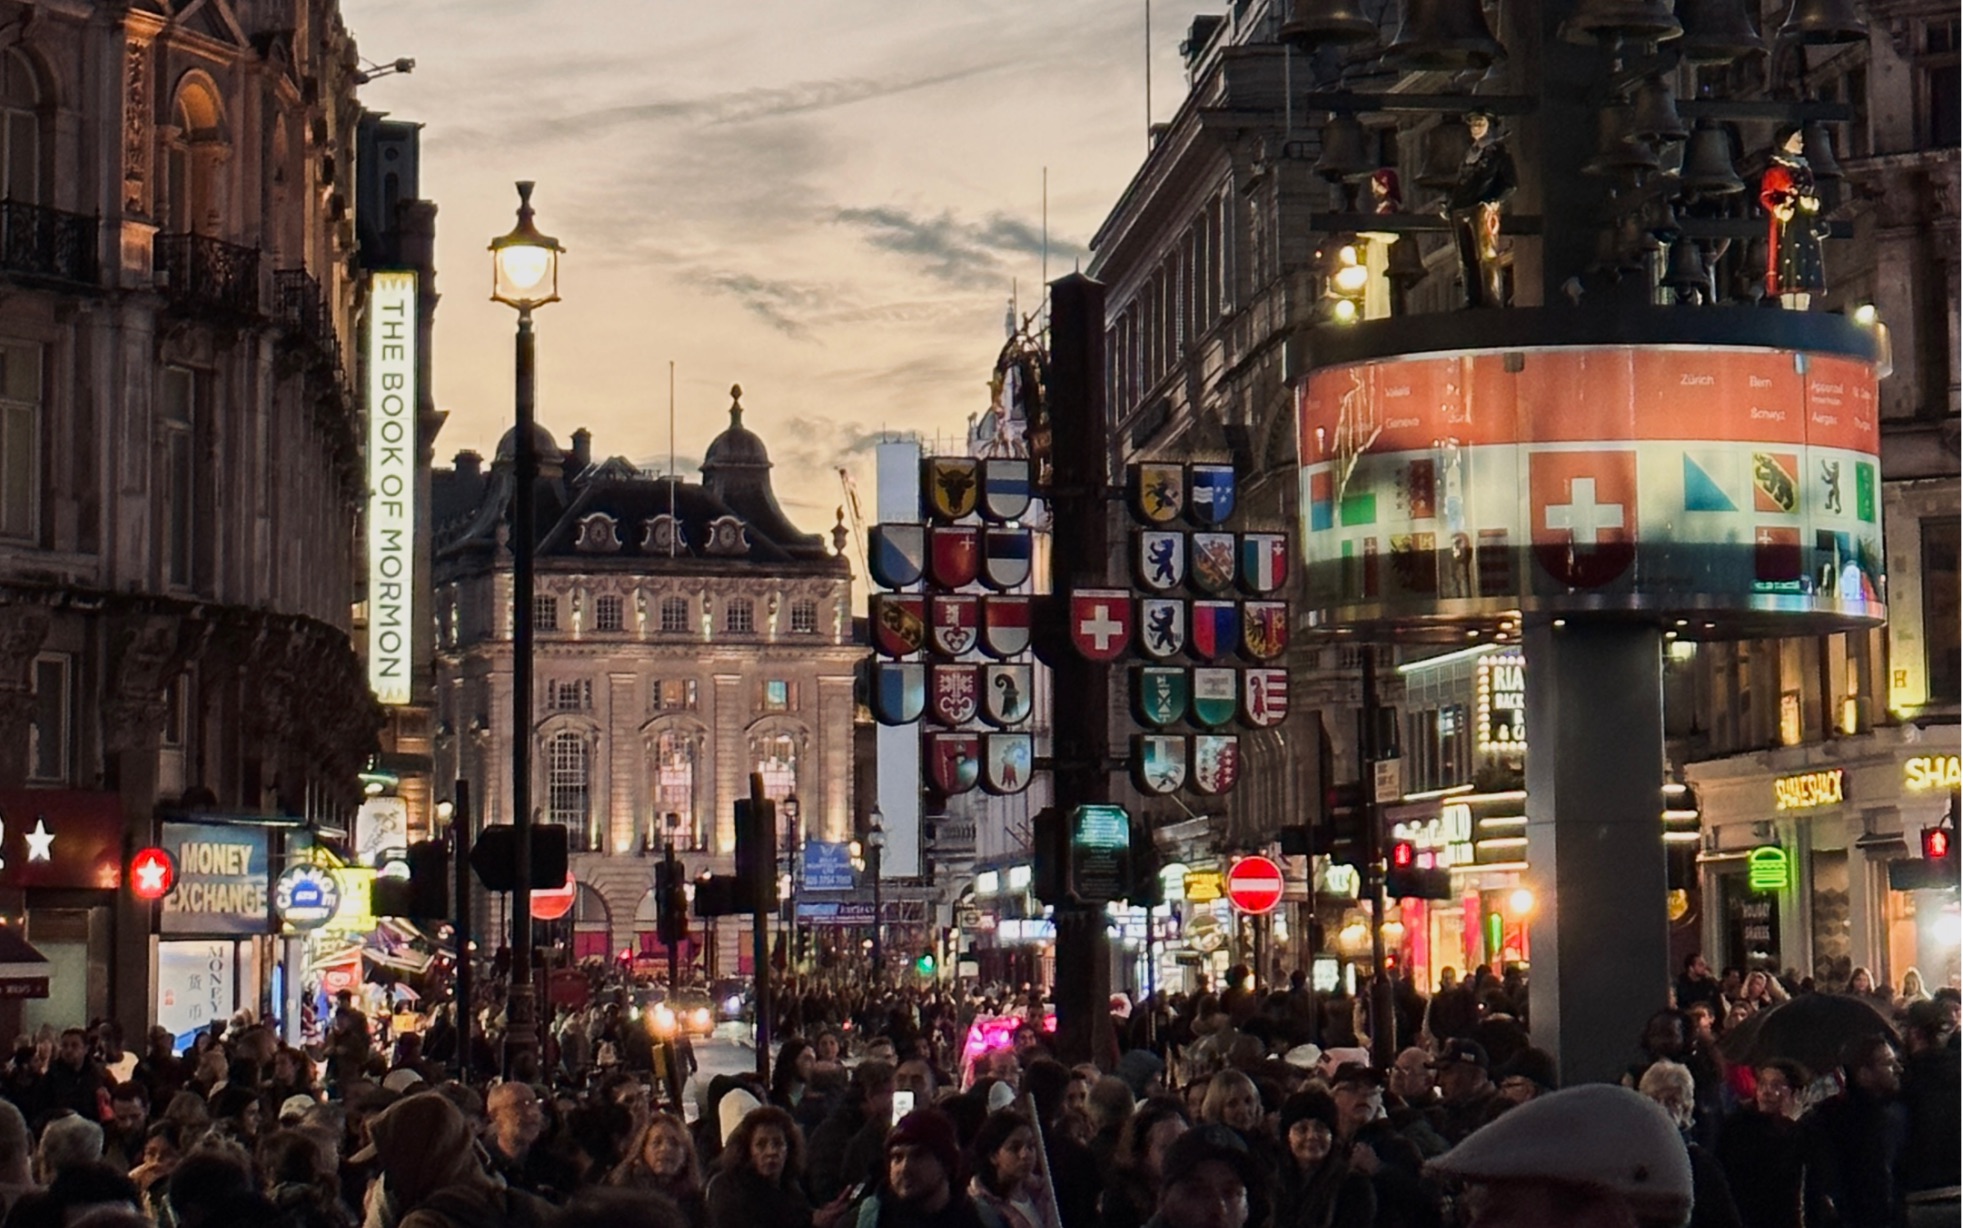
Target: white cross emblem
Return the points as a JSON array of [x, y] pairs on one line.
[[1584, 519], [1100, 628]]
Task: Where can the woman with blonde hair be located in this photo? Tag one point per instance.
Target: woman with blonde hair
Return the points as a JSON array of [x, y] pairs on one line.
[[662, 1158]]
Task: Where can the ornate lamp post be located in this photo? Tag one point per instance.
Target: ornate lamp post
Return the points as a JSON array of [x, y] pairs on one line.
[[524, 275]]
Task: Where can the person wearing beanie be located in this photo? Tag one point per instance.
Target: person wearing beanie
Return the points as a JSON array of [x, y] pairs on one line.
[[922, 1179], [1528, 1074], [1595, 1156], [433, 1173], [1317, 1186]]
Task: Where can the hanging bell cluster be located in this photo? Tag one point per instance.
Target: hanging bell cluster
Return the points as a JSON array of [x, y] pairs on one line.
[[1444, 34], [1823, 23], [1717, 31], [1316, 23], [1343, 155], [1639, 21], [1686, 275], [1708, 169]]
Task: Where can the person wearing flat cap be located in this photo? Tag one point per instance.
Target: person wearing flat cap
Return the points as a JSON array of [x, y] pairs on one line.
[[1208, 1172], [1594, 1156], [433, 1173], [922, 1179]]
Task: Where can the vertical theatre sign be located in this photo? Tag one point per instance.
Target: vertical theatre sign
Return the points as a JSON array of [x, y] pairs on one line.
[[391, 356]]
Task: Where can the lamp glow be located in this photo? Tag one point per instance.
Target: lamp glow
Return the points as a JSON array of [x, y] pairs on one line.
[[525, 263]]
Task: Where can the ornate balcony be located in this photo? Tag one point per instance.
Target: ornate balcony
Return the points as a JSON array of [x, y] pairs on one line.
[[303, 311], [39, 242], [206, 276]]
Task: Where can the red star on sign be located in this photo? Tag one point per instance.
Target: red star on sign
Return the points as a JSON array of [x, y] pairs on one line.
[[152, 873]]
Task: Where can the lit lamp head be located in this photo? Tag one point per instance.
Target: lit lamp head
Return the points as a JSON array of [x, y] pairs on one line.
[[876, 837], [525, 263]]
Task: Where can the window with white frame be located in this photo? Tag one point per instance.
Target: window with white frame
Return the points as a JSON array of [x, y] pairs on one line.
[[775, 758], [545, 612], [804, 616], [568, 788], [50, 719], [609, 613], [20, 439], [569, 695], [674, 616], [674, 789], [739, 616]]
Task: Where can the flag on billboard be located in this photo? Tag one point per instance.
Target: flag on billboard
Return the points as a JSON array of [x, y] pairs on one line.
[[1359, 507], [1584, 514], [1775, 482], [1322, 500], [1703, 488], [1775, 554], [1864, 492], [1830, 501], [1419, 490]]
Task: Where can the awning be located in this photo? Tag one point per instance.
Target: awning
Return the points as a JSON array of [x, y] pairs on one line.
[[24, 971]]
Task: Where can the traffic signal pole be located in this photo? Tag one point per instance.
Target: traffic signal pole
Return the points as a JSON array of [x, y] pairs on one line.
[[671, 881], [763, 881], [460, 923], [1080, 703], [1383, 1010]]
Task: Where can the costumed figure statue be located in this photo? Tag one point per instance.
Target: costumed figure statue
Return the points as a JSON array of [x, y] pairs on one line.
[[1794, 270], [1386, 196], [1486, 179]]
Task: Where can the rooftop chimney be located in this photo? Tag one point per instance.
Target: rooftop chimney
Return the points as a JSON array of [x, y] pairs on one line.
[[469, 464], [582, 452]]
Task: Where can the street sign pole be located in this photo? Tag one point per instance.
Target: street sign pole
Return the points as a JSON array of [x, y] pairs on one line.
[[1383, 1017]]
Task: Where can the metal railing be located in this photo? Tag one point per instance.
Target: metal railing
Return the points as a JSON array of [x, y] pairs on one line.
[[37, 241], [208, 276]]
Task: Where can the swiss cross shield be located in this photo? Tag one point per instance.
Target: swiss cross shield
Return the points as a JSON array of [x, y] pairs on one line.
[[1005, 626], [953, 622], [1007, 694], [1005, 487], [1215, 631], [1159, 695], [953, 761], [1216, 696], [1210, 498], [1264, 697], [1216, 762], [899, 623], [953, 693], [953, 555], [899, 692], [1584, 510], [1158, 762], [1160, 559], [1158, 492], [1100, 622], [896, 554], [1264, 629], [1213, 562], [1264, 562], [1005, 557], [953, 484], [1006, 762], [1162, 627]]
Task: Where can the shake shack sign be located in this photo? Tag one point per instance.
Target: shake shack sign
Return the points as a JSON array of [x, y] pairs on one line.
[[222, 880]]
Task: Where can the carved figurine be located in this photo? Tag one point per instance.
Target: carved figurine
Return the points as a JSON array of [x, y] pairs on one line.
[[1486, 179], [1386, 196], [1794, 270]]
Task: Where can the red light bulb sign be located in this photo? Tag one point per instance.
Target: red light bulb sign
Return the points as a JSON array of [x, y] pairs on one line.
[[152, 874]]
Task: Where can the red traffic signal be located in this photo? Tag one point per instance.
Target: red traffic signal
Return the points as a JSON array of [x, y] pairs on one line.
[[152, 874], [1936, 843], [1403, 855]]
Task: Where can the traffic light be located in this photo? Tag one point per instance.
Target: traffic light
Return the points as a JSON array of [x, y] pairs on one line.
[[429, 880], [926, 964], [1147, 887], [756, 854], [671, 901], [495, 856], [716, 896], [1405, 880], [1345, 279], [1937, 843], [1047, 855], [1341, 834]]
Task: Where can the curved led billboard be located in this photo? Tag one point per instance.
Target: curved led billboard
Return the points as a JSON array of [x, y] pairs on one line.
[[1718, 485]]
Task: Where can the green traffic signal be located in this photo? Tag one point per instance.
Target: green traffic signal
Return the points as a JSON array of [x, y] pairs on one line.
[[925, 964]]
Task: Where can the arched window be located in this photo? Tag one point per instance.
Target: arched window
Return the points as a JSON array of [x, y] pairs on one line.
[[20, 130], [568, 789], [674, 790], [775, 755], [592, 925], [192, 162]]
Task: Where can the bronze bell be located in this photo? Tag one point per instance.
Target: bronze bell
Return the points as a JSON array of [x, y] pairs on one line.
[[1644, 21], [1655, 111], [1312, 23], [1823, 22], [1708, 170], [1342, 149], [1685, 273], [1405, 263], [1660, 219], [1618, 150], [1717, 31], [1818, 150], [1445, 148], [1444, 34], [1749, 282]]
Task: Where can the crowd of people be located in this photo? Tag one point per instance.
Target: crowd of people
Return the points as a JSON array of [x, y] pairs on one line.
[[1249, 1108]]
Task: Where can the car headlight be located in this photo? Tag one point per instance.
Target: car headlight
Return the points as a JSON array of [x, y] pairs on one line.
[[664, 1020], [702, 1019]]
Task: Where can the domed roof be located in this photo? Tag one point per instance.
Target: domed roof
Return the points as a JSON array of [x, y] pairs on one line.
[[737, 446], [544, 447]]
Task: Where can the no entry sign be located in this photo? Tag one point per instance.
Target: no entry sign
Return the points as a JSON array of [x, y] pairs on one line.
[[1254, 885]]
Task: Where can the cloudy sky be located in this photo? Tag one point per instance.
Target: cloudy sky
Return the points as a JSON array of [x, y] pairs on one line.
[[825, 201]]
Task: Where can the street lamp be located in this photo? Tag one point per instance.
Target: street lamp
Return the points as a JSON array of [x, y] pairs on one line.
[[524, 275], [875, 848]]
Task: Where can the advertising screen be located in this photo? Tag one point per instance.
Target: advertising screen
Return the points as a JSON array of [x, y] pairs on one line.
[[1694, 481]]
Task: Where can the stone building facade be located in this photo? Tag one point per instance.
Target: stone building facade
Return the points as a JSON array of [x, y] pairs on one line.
[[686, 636], [180, 471]]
